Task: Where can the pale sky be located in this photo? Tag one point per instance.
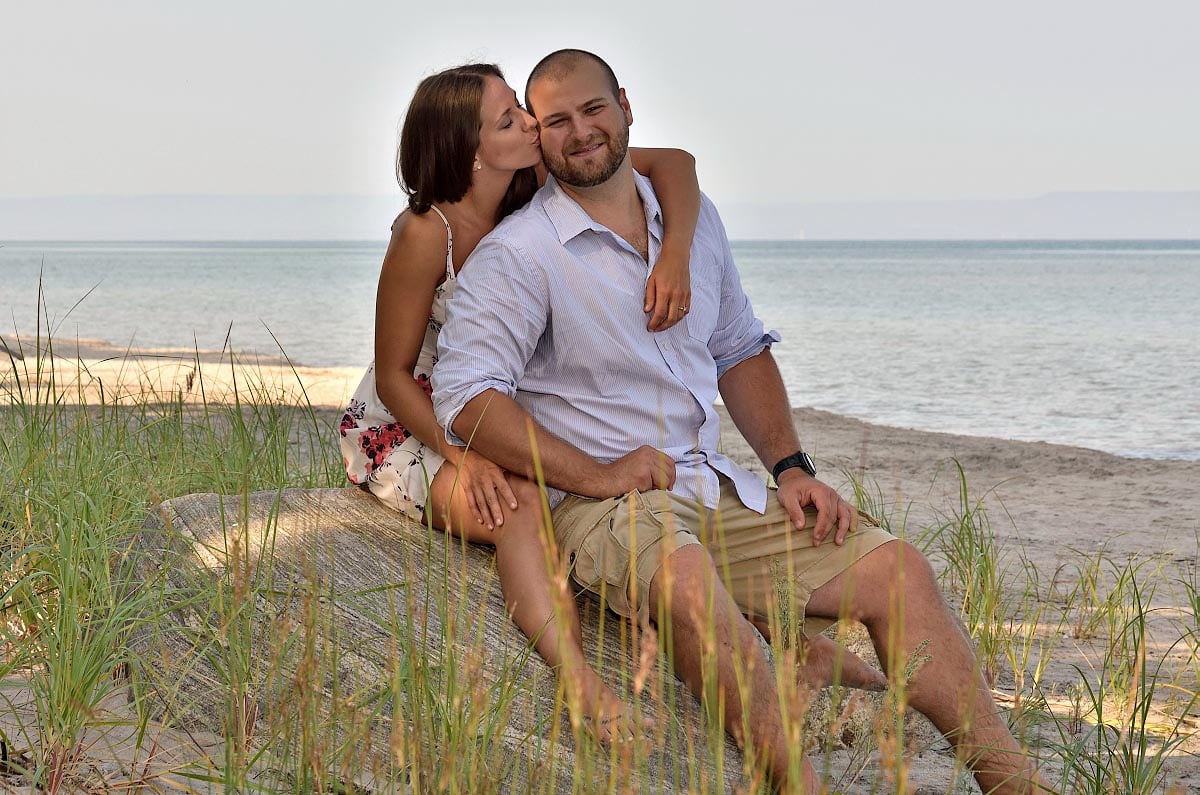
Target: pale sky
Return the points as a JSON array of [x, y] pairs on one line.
[[779, 101]]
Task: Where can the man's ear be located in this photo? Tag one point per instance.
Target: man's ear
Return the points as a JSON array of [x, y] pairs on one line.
[[624, 103]]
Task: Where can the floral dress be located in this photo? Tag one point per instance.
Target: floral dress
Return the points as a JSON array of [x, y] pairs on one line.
[[379, 452]]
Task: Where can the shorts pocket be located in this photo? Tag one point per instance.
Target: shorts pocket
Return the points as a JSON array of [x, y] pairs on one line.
[[613, 548], [580, 529], [635, 524], [585, 568], [635, 530]]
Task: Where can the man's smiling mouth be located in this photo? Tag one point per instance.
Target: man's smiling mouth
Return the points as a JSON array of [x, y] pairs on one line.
[[587, 150]]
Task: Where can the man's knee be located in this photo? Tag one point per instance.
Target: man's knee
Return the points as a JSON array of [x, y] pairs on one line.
[[893, 574], [907, 569], [918, 572]]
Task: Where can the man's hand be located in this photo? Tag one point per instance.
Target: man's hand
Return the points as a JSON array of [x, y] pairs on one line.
[[797, 488], [645, 469]]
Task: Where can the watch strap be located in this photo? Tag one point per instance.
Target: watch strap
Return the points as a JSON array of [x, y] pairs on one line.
[[798, 459]]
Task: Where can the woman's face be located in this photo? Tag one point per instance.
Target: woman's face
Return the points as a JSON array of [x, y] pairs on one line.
[[508, 136]]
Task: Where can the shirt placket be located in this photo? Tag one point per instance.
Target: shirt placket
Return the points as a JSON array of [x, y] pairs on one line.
[[709, 486]]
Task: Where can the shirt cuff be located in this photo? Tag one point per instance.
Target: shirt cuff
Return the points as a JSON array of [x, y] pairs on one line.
[[469, 394], [753, 349]]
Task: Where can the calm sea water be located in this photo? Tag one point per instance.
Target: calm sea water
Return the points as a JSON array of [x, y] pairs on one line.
[[1088, 343]]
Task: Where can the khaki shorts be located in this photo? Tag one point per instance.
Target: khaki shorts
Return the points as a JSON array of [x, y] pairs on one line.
[[616, 546]]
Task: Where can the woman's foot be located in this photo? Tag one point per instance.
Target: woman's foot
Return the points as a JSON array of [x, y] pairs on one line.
[[612, 729], [605, 716]]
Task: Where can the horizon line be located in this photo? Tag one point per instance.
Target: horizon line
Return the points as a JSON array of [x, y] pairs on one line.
[[400, 195]]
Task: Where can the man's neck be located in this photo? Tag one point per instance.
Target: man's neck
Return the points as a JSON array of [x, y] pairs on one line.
[[616, 204]]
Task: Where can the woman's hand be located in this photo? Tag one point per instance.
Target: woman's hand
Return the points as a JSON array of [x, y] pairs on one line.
[[486, 488], [668, 290]]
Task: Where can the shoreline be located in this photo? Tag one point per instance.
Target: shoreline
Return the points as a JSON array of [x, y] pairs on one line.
[[169, 366]]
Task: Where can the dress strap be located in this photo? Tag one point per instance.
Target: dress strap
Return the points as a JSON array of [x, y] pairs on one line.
[[449, 244]]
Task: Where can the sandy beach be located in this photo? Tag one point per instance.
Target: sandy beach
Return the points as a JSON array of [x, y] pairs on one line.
[[1052, 508], [1045, 500], [84, 370]]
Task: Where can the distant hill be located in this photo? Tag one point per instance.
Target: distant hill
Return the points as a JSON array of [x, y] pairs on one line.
[[1062, 216], [1101, 215], [198, 217]]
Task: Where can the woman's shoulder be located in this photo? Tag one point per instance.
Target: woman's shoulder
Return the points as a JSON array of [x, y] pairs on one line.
[[420, 233], [418, 241], [426, 228]]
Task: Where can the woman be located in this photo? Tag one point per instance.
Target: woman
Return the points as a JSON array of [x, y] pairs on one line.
[[468, 154]]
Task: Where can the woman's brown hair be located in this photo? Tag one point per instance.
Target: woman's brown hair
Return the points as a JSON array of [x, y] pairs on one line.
[[439, 139]]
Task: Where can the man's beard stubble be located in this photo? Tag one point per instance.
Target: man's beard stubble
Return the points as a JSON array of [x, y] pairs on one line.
[[586, 176]]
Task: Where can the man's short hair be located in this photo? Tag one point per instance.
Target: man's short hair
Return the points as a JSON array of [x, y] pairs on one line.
[[560, 63]]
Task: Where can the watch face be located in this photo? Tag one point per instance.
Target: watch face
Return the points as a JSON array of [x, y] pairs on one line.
[[806, 464]]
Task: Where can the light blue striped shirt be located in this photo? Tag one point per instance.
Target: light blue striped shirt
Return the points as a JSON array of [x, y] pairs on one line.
[[548, 310]]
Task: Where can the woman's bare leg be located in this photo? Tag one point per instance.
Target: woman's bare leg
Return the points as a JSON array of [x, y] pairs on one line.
[[529, 593]]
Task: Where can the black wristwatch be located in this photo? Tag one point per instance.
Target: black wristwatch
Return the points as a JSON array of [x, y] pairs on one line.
[[796, 459]]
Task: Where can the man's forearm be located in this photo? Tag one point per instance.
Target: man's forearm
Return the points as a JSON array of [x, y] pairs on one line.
[[757, 401], [498, 428], [754, 393]]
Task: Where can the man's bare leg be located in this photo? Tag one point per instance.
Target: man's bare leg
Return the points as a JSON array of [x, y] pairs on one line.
[[703, 614], [822, 662], [893, 591]]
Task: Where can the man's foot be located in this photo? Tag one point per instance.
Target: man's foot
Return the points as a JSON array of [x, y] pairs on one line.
[[822, 661]]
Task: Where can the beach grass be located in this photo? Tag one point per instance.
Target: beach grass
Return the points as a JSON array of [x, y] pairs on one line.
[[1096, 680]]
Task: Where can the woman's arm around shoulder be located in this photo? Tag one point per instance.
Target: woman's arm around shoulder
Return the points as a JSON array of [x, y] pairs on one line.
[[672, 172]]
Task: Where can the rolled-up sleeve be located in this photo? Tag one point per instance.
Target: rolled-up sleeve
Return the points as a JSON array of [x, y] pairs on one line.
[[739, 334], [494, 320]]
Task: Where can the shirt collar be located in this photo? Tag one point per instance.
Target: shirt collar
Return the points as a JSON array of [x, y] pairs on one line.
[[570, 220]]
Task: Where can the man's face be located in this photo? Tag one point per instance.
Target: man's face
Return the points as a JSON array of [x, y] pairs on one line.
[[585, 129]]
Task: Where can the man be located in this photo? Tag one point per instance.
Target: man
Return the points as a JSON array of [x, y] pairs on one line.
[[545, 358]]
